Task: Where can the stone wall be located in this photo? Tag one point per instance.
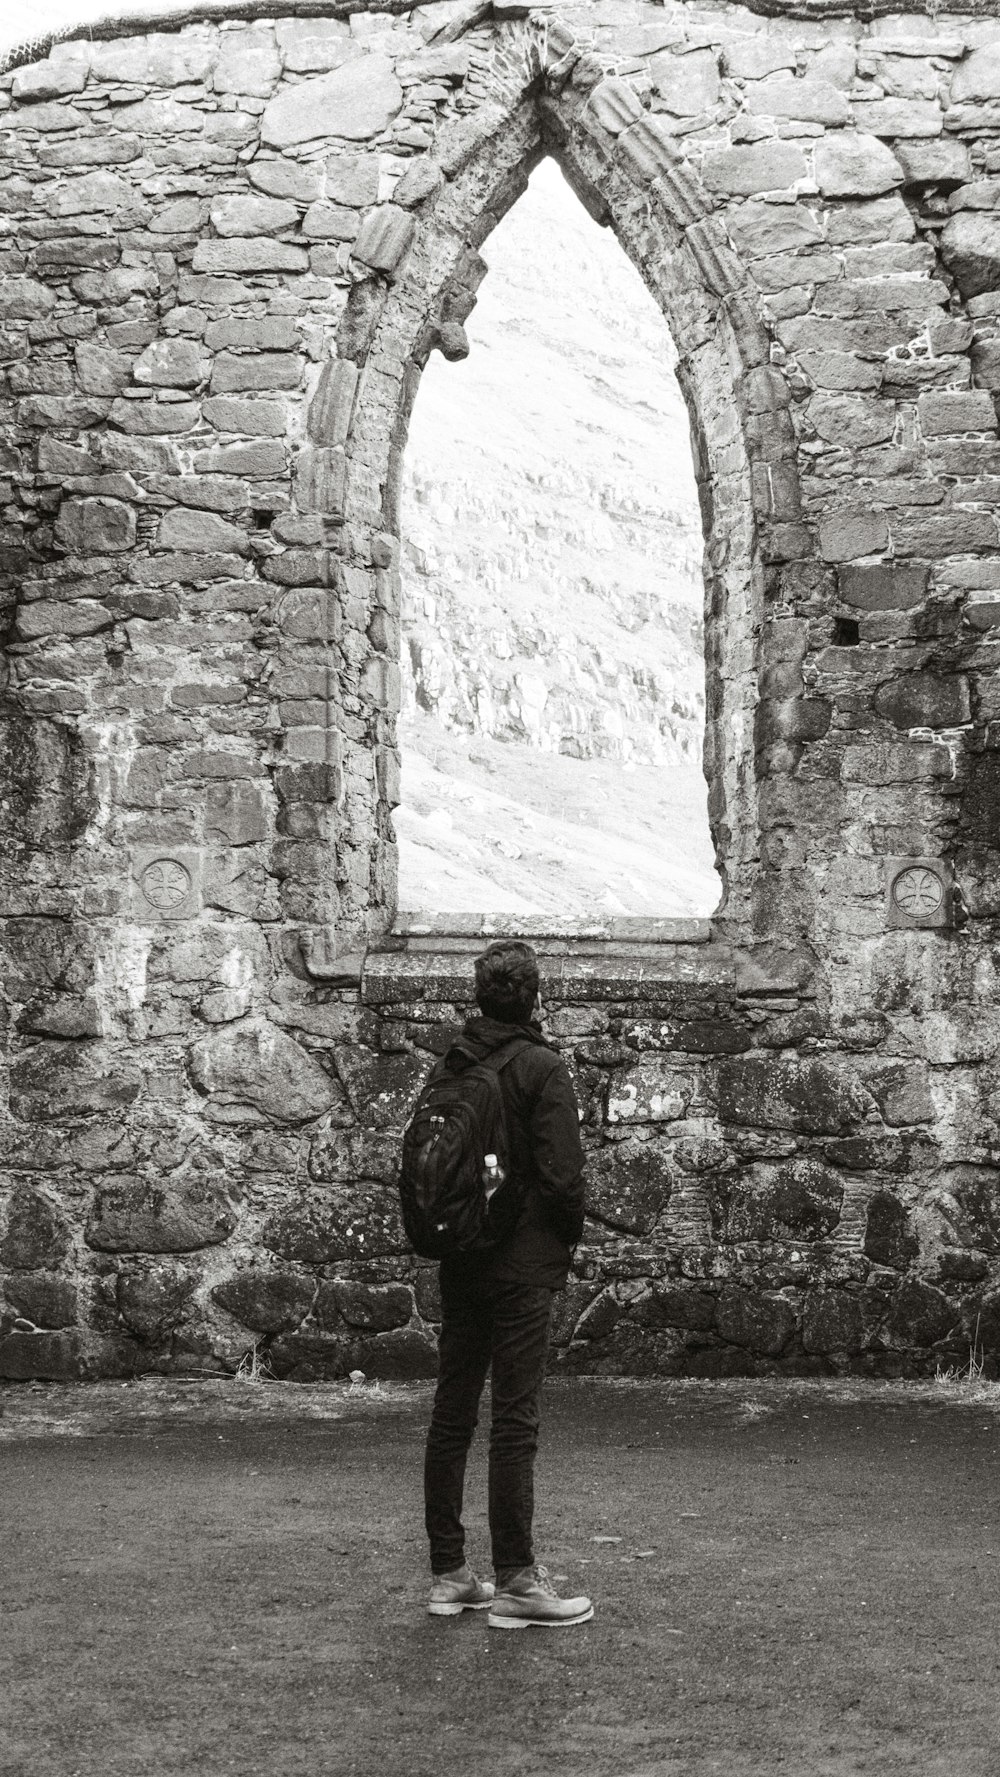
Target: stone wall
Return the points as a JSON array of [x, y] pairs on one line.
[[229, 249]]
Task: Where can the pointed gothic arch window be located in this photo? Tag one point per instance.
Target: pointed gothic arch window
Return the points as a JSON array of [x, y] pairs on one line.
[[552, 632]]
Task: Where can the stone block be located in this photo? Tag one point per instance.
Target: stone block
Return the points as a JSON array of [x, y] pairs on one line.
[[851, 424], [901, 1089], [924, 700], [165, 880], [760, 1322], [155, 59], [287, 178], [353, 179], [240, 255], [857, 531], [340, 1156], [889, 1238], [24, 299], [807, 101], [676, 1305], [223, 1005], [371, 1307], [48, 80], [360, 1221], [47, 1301], [330, 222], [406, 1354], [883, 586], [836, 1320], [977, 77], [255, 1064], [311, 1357], [970, 248], [235, 814], [381, 1088], [855, 165], [264, 460], [612, 106], [267, 1301], [686, 84], [754, 57], [151, 418], [797, 1201], [235, 215], [920, 1315], [918, 893], [101, 371], [256, 419], [759, 166], [185, 528], [48, 115], [92, 194], [909, 117], [945, 162], [761, 229], [36, 1236], [356, 100], [881, 765], [54, 1080], [649, 146], [320, 480], [814, 1097], [50, 1357], [974, 1191], [248, 62], [384, 238], [131, 1215], [332, 405], [96, 526], [423, 177], [947, 411], [628, 1185], [152, 1302], [655, 1090], [236, 372], [309, 44]]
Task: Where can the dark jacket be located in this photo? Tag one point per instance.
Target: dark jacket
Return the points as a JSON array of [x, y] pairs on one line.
[[543, 1131]]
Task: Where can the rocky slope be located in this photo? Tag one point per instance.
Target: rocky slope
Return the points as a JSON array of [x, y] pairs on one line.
[[553, 666]]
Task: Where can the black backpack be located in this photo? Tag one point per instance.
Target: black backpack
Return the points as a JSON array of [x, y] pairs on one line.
[[457, 1120]]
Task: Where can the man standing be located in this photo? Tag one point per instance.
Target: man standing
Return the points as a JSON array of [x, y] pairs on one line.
[[497, 1309]]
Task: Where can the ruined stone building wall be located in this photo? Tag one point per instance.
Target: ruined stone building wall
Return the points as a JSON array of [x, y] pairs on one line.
[[228, 249]]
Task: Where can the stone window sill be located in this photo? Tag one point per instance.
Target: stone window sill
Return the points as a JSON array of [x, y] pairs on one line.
[[542, 927], [429, 957]]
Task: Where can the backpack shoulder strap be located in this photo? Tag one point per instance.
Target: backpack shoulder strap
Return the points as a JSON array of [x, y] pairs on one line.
[[507, 1051]]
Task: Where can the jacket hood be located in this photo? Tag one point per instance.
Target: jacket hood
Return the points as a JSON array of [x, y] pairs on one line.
[[481, 1036]]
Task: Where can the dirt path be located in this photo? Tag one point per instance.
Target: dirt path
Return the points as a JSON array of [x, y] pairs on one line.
[[224, 1578]]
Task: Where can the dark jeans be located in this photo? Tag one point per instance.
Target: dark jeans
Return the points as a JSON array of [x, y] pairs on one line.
[[504, 1329]]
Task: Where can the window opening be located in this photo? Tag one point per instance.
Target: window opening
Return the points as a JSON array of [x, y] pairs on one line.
[[553, 658]]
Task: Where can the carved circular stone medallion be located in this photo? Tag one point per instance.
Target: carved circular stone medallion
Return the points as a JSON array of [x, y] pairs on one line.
[[918, 892], [165, 884]]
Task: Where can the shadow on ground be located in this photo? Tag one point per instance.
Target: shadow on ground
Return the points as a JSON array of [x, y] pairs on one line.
[[226, 1577]]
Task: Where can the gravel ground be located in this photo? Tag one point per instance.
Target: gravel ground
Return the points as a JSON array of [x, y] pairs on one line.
[[224, 1577]]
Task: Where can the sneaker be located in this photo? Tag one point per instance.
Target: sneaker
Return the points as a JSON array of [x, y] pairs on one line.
[[457, 1591], [529, 1598]]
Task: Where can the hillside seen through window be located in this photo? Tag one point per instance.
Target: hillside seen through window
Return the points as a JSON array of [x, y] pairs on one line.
[[553, 665]]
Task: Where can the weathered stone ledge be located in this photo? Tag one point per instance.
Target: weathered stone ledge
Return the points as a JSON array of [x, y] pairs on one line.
[[573, 971], [484, 926]]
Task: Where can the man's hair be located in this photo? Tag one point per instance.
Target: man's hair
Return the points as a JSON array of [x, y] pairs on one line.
[[507, 981]]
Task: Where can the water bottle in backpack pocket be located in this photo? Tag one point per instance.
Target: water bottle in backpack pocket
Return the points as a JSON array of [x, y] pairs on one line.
[[452, 1200]]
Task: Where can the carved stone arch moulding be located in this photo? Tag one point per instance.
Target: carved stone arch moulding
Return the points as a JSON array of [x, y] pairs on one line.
[[628, 170]]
